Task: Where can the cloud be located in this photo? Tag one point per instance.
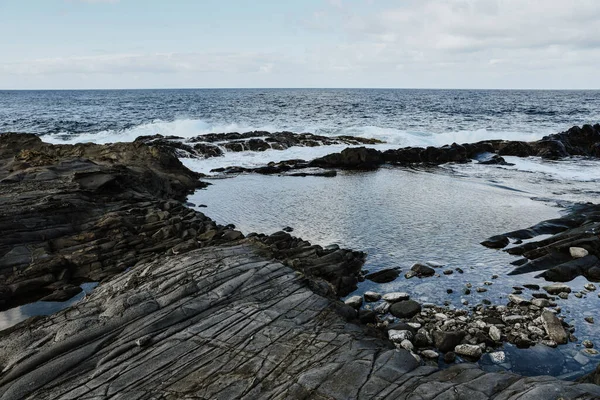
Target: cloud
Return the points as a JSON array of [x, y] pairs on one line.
[[161, 63]]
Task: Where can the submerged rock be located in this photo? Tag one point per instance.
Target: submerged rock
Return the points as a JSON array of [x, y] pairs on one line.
[[383, 276]]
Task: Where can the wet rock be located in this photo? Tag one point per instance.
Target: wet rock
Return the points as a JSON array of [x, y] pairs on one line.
[[407, 345], [354, 301], [553, 327], [383, 276], [531, 286], [430, 354], [468, 350], [399, 336], [372, 296], [447, 341], [557, 288], [495, 333], [395, 297], [590, 287], [588, 344], [382, 308], [405, 309], [449, 357], [589, 319], [518, 300], [481, 290], [496, 242], [541, 303], [448, 272], [422, 270]]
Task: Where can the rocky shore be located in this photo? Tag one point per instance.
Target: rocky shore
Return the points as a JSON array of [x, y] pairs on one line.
[[188, 308]]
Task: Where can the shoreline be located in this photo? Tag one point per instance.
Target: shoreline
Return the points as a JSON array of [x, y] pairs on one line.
[[146, 177]]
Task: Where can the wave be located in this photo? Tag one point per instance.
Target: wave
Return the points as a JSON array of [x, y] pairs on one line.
[[187, 128]]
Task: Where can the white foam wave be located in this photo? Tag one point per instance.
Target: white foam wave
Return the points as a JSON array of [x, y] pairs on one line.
[[193, 127], [574, 169]]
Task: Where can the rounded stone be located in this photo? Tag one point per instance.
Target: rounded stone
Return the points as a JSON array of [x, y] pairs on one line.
[[405, 309]]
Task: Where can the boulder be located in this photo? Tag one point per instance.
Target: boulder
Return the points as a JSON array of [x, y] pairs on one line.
[[405, 309], [447, 341], [554, 327]]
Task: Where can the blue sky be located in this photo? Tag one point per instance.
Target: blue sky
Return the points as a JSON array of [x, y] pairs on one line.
[[63, 44]]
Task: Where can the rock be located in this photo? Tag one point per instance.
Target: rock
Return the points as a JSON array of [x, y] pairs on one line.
[[588, 344], [554, 328], [495, 333], [468, 350], [589, 287], [578, 252], [448, 272], [447, 341], [399, 336], [541, 303], [383, 276], [578, 295], [557, 288], [563, 295], [434, 264], [405, 309], [410, 274], [496, 242], [449, 357], [372, 296], [481, 290], [354, 301], [430, 354], [531, 286], [395, 297], [589, 319], [382, 308], [422, 270], [518, 300], [367, 316], [407, 345]]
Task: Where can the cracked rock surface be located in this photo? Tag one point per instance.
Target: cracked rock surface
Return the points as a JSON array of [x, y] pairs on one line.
[[226, 322]]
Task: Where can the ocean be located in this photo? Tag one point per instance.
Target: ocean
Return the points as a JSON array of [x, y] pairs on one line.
[[397, 215]]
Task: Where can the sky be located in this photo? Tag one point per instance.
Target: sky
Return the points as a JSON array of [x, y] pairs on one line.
[[116, 44]]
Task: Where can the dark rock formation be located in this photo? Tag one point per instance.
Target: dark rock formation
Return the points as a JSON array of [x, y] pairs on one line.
[[71, 214], [383, 276], [557, 255], [214, 144]]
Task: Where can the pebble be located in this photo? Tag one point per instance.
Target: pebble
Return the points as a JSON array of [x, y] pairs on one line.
[[557, 288], [430, 354], [459, 270], [588, 344], [468, 350], [407, 345], [448, 272], [578, 252], [382, 308], [395, 297], [354, 301], [468, 285], [540, 302], [449, 291], [578, 295], [481, 289], [563, 295], [589, 286], [518, 300], [398, 336], [372, 296], [495, 276], [589, 319], [449, 357], [498, 357], [495, 333], [592, 352], [488, 283]]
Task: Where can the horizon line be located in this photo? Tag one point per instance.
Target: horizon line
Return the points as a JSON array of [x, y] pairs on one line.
[[296, 88]]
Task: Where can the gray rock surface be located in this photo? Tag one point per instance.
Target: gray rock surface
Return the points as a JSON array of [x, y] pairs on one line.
[[225, 323]]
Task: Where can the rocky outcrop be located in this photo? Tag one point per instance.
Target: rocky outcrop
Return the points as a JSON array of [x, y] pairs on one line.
[[216, 144], [71, 214], [584, 141], [224, 323], [571, 251]]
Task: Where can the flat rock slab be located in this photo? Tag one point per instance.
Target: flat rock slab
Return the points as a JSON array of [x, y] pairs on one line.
[[226, 323]]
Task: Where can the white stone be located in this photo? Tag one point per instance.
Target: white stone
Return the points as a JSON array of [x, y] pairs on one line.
[[495, 334], [354, 301], [430, 354], [372, 296], [415, 325], [407, 345], [590, 287], [382, 308], [498, 357], [395, 297], [469, 350], [578, 252], [398, 336], [441, 317]]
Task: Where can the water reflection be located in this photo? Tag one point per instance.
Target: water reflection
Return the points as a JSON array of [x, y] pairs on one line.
[[15, 315]]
